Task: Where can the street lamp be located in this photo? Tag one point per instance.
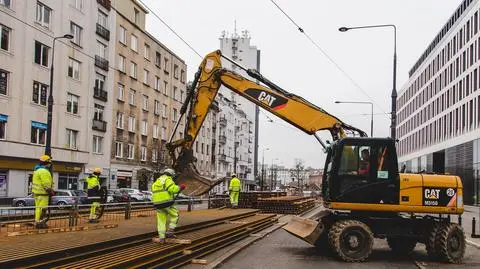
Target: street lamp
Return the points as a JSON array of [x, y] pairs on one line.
[[393, 125], [369, 103], [263, 168], [48, 144], [272, 178]]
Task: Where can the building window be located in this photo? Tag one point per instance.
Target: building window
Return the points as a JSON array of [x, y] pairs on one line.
[[39, 95], [131, 97], [134, 43], [44, 15], [5, 3], [154, 156], [123, 35], [97, 144], [144, 129], [158, 59], [156, 107], [175, 71], [4, 37], [155, 130], [120, 120], [121, 63], [133, 70], [145, 103], [165, 89], [102, 19], [76, 31], [3, 126], [164, 133], [157, 83], [73, 69], [38, 133], [121, 92], [174, 93], [98, 112], [71, 139], [118, 149], [182, 76], [174, 116], [131, 124], [67, 182], [130, 151], [102, 50], [99, 82], [181, 96], [72, 103], [41, 54], [146, 52], [165, 62], [143, 154], [78, 4], [3, 82], [136, 15], [145, 76], [164, 112]]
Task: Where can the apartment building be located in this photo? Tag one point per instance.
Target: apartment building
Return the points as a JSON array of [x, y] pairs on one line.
[[438, 108], [81, 101], [149, 89]]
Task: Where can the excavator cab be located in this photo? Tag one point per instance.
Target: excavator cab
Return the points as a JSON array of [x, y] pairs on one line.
[[361, 170]]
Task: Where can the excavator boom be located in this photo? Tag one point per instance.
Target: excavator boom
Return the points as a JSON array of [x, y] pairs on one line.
[[201, 94]]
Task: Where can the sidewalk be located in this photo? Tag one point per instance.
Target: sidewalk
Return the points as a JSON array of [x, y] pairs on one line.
[[470, 213]]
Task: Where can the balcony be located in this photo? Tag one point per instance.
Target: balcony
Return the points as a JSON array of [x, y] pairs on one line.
[[100, 94], [105, 3], [101, 63], [249, 160], [222, 157], [99, 125], [223, 122], [248, 170], [103, 32], [222, 139]]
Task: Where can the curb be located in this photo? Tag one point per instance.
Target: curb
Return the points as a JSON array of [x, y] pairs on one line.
[[473, 244]]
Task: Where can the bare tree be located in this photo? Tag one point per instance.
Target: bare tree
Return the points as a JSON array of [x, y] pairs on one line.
[[298, 172]]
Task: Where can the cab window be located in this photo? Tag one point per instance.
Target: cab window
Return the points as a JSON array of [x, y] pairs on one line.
[[355, 160]]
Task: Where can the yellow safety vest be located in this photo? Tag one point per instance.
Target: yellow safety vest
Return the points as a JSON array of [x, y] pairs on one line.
[[234, 184], [42, 180]]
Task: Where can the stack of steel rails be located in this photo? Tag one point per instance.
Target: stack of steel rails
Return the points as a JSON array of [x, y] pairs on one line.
[[286, 205], [250, 199]]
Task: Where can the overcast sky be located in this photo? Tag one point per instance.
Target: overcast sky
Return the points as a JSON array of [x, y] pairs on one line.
[[293, 62]]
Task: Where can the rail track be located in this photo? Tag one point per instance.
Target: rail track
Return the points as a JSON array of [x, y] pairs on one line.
[[140, 252]]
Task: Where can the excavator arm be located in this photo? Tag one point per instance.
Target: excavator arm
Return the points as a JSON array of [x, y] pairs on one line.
[[201, 95]]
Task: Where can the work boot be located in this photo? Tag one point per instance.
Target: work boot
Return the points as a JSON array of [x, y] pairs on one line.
[[158, 240], [170, 234], [93, 221], [41, 225]]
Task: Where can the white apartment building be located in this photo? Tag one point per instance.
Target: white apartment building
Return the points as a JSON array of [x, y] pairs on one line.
[[439, 107], [82, 103]]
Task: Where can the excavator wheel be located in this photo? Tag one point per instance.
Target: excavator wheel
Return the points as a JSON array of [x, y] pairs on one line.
[[401, 245], [450, 243], [430, 241], [351, 240]]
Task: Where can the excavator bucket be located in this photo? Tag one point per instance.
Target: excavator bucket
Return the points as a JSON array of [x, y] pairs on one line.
[[306, 229], [194, 182]]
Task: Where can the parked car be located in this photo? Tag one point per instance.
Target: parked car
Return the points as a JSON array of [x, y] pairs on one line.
[[135, 195], [61, 198], [117, 196], [148, 195], [183, 199]]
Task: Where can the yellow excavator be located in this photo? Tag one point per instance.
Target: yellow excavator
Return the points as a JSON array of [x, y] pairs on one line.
[[364, 194]]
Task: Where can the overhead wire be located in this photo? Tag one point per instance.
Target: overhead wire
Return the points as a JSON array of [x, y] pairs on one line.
[[301, 30]]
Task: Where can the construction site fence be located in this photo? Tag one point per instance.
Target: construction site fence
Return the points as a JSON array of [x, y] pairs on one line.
[[13, 219]]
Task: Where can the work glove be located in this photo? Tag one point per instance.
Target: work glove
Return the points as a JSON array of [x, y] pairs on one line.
[[182, 187], [50, 192]]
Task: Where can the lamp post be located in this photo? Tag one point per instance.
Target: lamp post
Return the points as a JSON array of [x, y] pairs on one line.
[[272, 179], [263, 168], [393, 124], [48, 143], [371, 113]]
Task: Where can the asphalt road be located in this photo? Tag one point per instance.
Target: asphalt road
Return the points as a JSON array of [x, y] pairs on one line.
[[281, 250]]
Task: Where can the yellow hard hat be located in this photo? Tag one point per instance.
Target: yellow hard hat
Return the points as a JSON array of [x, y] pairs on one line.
[[45, 159], [97, 170]]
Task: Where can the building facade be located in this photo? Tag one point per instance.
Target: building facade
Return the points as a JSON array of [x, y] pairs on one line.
[[438, 108], [149, 89], [81, 101]]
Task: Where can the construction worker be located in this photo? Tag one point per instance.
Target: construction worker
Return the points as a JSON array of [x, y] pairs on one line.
[[163, 191], [93, 186], [234, 189], [42, 188]]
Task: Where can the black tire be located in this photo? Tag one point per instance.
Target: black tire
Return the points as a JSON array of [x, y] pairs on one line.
[[401, 245], [61, 204], [450, 243], [350, 240], [20, 204], [430, 242]]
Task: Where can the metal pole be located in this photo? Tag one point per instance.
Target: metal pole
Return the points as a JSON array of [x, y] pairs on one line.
[[394, 89], [48, 144], [263, 170], [371, 121]]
